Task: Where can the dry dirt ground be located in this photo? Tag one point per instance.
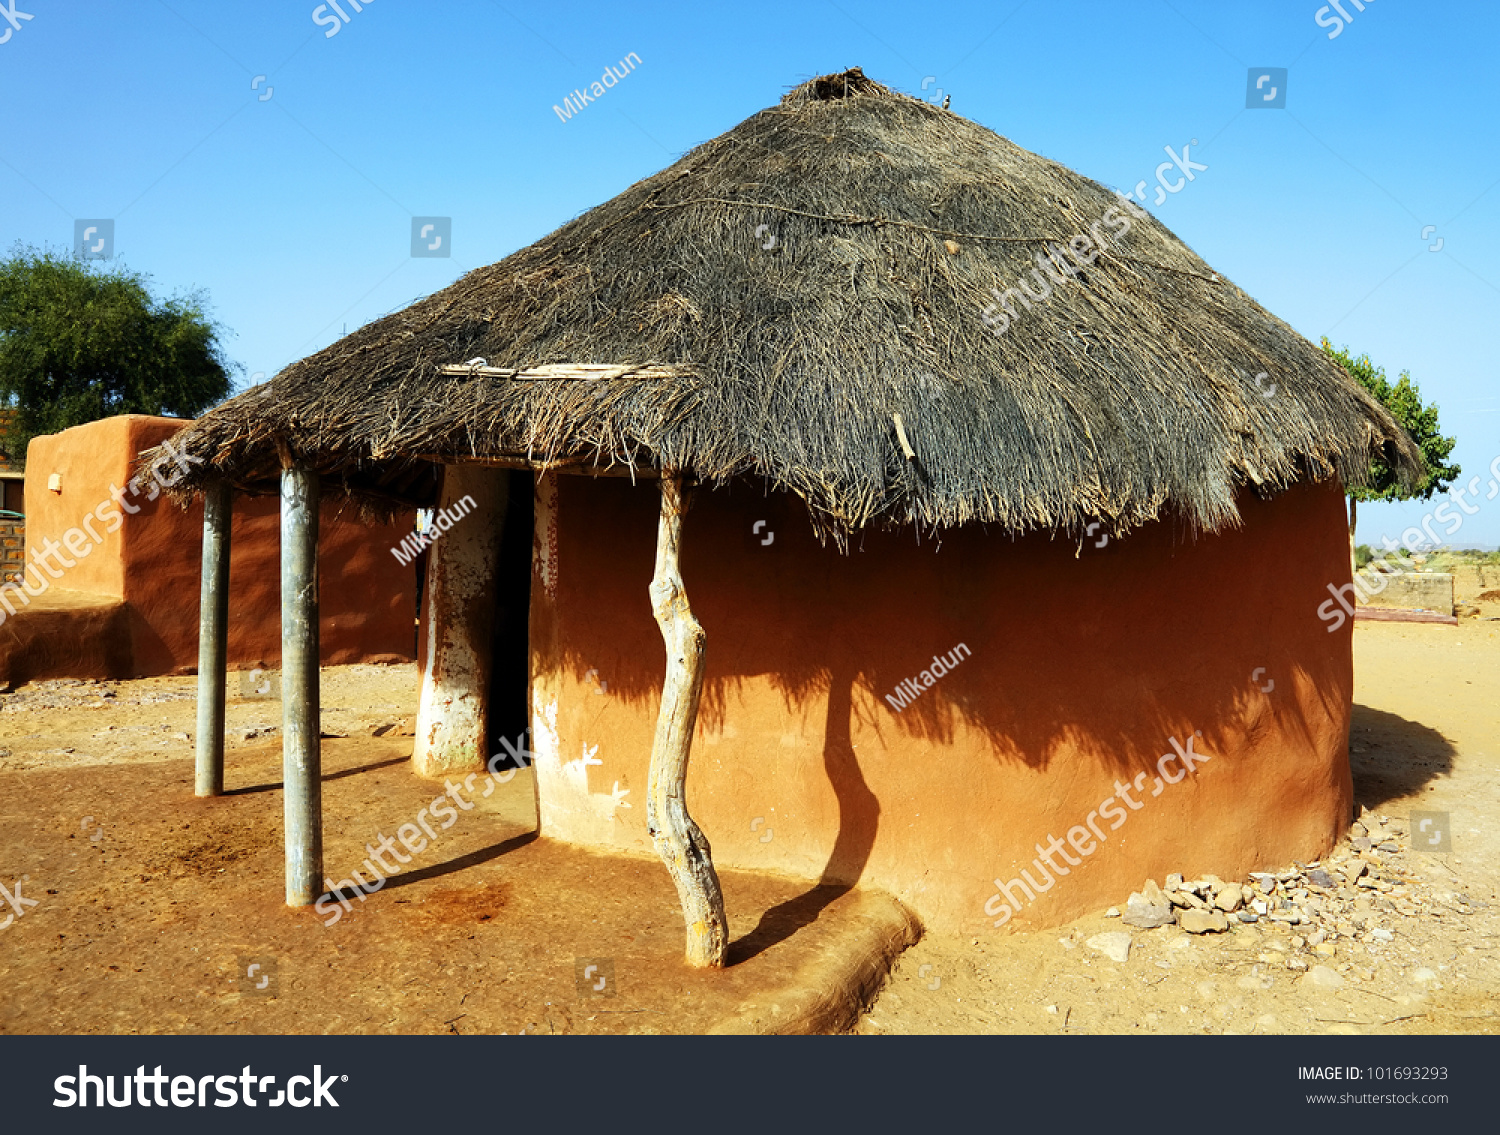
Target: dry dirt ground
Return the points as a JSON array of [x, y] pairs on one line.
[[1426, 736], [151, 905]]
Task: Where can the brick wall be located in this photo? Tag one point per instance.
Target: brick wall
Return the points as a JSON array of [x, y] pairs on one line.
[[12, 547]]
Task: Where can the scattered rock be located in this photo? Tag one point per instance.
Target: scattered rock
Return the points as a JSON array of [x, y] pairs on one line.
[[1203, 921], [1321, 878], [1423, 976], [1112, 912], [1358, 830], [1321, 977], [1114, 945], [1146, 915], [1382, 935], [1174, 882], [1230, 897], [1296, 963]]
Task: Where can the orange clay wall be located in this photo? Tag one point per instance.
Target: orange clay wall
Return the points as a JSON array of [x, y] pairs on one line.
[[1082, 670], [151, 558]]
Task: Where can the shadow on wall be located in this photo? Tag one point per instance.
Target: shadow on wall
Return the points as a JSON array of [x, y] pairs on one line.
[[1148, 638], [858, 822]]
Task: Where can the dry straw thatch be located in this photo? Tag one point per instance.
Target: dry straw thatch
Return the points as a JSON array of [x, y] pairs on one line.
[[1129, 392]]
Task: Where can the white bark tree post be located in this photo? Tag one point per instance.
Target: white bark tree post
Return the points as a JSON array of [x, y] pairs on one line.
[[213, 638], [301, 711], [458, 607], [678, 840]]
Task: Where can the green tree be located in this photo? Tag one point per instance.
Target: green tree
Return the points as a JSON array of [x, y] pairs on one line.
[[78, 344], [1404, 402]]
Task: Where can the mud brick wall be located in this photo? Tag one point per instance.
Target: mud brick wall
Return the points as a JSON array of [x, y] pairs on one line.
[[12, 549]]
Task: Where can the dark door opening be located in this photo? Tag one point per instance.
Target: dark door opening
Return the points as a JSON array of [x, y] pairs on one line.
[[510, 675]]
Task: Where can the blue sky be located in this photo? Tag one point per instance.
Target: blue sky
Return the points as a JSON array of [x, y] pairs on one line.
[[290, 199]]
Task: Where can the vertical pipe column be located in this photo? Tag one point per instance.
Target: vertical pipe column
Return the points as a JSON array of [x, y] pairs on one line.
[[213, 637], [458, 613], [678, 840], [302, 758]]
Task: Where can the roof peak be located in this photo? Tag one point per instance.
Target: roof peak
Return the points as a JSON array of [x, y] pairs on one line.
[[841, 85]]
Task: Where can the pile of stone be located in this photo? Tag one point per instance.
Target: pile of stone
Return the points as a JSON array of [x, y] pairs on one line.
[[1358, 893]]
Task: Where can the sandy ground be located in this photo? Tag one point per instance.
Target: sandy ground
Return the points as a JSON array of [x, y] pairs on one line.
[[157, 912], [1426, 736], [145, 915]]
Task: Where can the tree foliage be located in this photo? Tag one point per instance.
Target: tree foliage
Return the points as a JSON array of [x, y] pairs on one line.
[[1404, 401], [79, 343]]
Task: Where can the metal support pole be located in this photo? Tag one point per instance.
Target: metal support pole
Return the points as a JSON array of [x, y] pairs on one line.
[[302, 772], [213, 639]]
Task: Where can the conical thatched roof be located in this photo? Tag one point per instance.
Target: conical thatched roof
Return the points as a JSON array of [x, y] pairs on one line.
[[891, 223]]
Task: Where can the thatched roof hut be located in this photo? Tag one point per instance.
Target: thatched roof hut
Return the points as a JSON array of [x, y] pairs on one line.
[[890, 224], [878, 307]]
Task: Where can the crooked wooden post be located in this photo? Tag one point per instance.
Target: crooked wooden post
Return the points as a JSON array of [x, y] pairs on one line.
[[213, 638], [302, 758], [678, 840]]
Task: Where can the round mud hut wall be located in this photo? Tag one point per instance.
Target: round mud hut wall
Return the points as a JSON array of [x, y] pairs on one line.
[[1080, 679]]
